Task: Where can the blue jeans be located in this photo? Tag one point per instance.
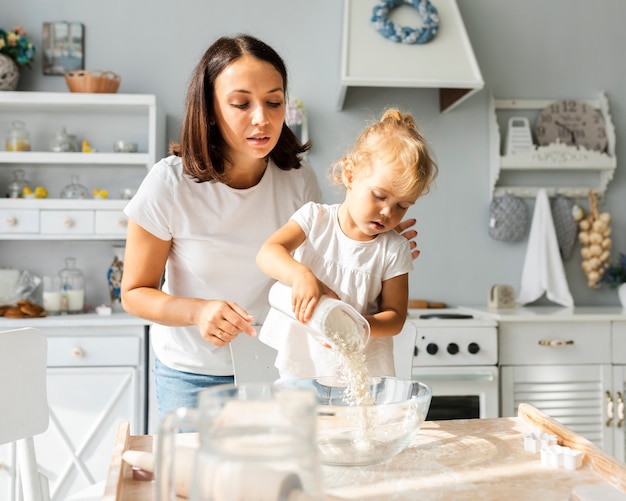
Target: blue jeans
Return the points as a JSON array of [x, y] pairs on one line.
[[176, 389]]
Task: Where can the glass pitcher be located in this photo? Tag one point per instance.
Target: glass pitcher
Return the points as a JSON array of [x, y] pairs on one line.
[[256, 442]]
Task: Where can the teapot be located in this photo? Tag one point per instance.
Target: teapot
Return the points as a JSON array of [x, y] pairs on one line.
[[255, 442]]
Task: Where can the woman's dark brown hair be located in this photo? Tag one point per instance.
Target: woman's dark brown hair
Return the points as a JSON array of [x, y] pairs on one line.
[[201, 145]]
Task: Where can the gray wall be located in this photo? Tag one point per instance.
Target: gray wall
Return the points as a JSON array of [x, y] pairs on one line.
[[526, 49]]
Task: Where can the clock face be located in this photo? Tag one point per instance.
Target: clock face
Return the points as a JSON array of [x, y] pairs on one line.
[[571, 122]]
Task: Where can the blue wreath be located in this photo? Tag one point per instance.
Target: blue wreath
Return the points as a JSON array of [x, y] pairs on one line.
[[405, 34]]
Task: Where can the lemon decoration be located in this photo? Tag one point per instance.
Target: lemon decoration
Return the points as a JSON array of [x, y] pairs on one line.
[[86, 147], [41, 192]]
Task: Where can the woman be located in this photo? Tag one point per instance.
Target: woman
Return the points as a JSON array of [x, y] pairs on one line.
[[201, 214]]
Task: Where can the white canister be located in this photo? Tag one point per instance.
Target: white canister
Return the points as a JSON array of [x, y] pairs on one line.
[[331, 316]]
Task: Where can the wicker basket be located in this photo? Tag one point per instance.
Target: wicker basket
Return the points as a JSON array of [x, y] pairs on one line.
[[93, 81]]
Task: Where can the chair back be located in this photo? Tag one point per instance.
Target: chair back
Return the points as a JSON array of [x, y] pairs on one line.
[[24, 404], [23, 396]]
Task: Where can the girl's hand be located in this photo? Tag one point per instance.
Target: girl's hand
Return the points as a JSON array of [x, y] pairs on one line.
[[306, 292], [409, 235], [221, 321]]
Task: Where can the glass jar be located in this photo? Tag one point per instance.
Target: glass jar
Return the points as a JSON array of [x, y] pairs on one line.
[[75, 189], [65, 142], [72, 287], [16, 187], [18, 138]]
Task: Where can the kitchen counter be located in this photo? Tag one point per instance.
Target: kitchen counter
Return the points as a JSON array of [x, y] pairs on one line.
[[74, 320], [549, 313], [461, 459]]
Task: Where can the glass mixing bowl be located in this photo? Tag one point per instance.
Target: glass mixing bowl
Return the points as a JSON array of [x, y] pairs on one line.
[[351, 435]]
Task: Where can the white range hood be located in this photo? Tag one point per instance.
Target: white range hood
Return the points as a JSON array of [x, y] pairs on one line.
[[446, 63]]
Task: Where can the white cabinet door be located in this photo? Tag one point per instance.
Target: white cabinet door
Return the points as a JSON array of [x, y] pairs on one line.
[[86, 406], [7, 471], [574, 395]]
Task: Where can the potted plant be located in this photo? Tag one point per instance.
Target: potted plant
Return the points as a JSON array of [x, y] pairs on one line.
[[15, 50], [615, 276]]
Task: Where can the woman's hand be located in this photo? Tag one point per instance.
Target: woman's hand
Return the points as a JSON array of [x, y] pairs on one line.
[[409, 235], [221, 321]]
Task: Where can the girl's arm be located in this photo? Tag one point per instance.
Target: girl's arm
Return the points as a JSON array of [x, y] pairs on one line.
[[394, 300], [275, 259]]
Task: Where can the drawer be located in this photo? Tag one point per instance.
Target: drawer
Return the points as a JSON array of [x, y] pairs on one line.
[[67, 222], [540, 343], [19, 221], [619, 342], [111, 222], [81, 351]]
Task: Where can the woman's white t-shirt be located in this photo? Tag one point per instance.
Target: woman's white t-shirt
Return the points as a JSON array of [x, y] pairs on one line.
[[355, 271], [216, 232]]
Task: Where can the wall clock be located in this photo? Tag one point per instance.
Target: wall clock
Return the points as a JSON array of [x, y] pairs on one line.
[[572, 122]]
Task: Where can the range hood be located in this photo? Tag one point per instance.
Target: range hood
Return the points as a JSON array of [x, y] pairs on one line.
[[446, 63]]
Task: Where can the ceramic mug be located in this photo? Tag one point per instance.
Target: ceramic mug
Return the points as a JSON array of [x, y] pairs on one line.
[[256, 442]]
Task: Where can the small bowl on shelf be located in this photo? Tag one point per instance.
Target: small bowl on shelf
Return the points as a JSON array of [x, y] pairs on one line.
[[96, 81]]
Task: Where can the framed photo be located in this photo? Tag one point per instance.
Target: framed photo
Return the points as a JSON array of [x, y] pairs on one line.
[[63, 48]]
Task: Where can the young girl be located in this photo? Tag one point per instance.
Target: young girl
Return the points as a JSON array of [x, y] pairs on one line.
[[348, 251]]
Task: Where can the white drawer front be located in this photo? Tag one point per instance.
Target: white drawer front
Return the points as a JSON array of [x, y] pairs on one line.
[[67, 222], [111, 222], [540, 343], [619, 343], [92, 351], [19, 221]]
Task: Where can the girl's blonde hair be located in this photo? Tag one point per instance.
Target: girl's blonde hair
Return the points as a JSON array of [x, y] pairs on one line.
[[394, 141]]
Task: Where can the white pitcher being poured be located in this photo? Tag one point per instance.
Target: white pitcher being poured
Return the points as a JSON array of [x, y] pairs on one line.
[[256, 443]]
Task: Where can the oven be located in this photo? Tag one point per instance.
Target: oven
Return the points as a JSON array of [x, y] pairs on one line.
[[456, 354]]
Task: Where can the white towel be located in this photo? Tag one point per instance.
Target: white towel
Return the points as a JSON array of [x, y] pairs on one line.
[[543, 267]]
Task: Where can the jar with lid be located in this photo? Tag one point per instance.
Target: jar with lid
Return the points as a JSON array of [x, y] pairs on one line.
[[18, 138], [65, 142], [75, 189], [16, 187], [72, 287]]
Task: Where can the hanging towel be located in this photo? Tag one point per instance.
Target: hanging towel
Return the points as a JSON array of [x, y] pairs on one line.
[[543, 267]]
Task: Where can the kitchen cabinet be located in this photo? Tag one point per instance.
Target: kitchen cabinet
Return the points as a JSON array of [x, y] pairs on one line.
[[97, 377], [558, 168], [97, 372], [569, 369]]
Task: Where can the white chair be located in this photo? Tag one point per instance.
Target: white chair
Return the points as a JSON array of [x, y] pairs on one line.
[[24, 404]]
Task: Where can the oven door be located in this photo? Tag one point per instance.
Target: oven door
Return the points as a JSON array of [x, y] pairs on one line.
[[461, 392]]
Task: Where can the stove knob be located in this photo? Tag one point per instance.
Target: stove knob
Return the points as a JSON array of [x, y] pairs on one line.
[[432, 348], [453, 348], [473, 348]]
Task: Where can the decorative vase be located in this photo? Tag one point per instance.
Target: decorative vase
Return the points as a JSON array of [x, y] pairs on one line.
[[9, 73], [621, 293], [114, 277]]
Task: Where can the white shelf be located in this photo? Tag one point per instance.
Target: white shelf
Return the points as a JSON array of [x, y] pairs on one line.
[[551, 167]]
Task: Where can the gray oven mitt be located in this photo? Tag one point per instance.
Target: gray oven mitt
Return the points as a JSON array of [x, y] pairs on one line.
[[508, 218], [565, 226]]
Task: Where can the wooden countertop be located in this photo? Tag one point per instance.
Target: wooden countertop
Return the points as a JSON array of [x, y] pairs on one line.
[[461, 459]]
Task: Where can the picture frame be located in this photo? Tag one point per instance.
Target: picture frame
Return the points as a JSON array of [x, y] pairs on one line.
[[63, 47]]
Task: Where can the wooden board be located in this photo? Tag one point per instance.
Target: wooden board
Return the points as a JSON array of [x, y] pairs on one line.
[[461, 459]]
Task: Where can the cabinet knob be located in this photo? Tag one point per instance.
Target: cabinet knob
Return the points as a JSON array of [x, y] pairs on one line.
[[78, 352], [555, 342], [68, 222], [11, 221], [609, 408], [122, 222], [620, 409]]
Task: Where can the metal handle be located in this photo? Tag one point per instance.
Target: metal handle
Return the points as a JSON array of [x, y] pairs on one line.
[[620, 410], [609, 408], [555, 342]]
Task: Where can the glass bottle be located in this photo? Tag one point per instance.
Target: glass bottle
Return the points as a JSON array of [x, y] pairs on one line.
[[75, 189], [72, 287], [18, 138], [16, 187], [65, 142]]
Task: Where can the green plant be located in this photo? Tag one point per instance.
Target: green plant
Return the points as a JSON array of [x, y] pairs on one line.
[[17, 46], [615, 273]]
